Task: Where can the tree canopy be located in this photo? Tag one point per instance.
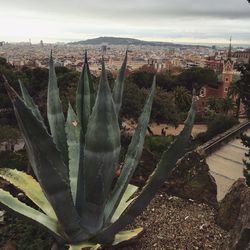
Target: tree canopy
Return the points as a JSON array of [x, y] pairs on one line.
[[243, 86], [197, 77]]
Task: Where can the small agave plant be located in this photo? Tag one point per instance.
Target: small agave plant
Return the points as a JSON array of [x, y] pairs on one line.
[[75, 161]]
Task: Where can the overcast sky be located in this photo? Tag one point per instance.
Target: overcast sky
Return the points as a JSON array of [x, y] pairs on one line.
[[191, 21]]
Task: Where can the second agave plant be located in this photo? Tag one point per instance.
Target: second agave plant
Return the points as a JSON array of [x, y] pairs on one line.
[[75, 160]]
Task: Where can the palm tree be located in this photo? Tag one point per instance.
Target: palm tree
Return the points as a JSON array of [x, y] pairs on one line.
[[234, 93], [227, 105], [182, 98], [214, 103]]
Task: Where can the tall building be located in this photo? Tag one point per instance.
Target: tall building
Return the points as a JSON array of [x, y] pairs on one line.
[[104, 50], [227, 73], [226, 78]]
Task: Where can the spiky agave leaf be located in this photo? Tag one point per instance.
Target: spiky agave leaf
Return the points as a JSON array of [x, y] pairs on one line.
[[120, 237], [73, 140], [85, 96], [85, 100], [49, 167], [30, 103], [30, 187], [125, 201], [119, 85], [158, 177], [126, 235], [101, 154], [132, 157], [10, 203], [55, 113], [85, 245]]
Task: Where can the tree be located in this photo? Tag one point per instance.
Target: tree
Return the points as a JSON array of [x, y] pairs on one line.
[[227, 105], [183, 98], [3, 61], [166, 81], [220, 105], [197, 77], [217, 125], [214, 103], [13, 75], [10, 136], [133, 100], [246, 142], [244, 86], [142, 78], [164, 108], [234, 93]]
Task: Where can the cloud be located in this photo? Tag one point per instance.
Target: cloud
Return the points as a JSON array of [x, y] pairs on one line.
[[162, 19]]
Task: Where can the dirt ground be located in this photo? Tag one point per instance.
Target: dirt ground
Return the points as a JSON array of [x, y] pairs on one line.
[[169, 129], [172, 223]]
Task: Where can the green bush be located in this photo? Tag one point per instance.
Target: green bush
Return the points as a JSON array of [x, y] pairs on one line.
[[158, 144], [218, 125], [17, 160]]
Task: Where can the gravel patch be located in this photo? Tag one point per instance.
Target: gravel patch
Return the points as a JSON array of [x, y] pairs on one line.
[[174, 223]]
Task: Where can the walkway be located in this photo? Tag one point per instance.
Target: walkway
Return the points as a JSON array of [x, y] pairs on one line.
[[226, 165]]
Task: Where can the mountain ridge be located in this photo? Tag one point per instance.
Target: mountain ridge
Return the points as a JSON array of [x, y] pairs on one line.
[[109, 40]]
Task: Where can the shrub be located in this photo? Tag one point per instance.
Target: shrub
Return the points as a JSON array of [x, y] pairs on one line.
[[218, 125], [158, 144], [18, 160]]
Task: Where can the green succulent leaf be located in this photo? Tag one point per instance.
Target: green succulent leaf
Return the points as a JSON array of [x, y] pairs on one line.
[[30, 103], [8, 202], [119, 85], [85, 245], [101, 154], [48, 167], [30, 187], [132, 158], [125, 201], [85, 100], [73, 139], [55, 113], [127, 235], [158, 177], [83, 96]]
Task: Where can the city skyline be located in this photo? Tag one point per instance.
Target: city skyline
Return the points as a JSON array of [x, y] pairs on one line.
[[200, 22]]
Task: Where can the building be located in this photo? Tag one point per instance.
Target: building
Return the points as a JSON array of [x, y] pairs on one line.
[[158, 64], [226, 78], [242, 56]]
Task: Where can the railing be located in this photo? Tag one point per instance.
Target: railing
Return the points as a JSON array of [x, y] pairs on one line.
[[220, 140]]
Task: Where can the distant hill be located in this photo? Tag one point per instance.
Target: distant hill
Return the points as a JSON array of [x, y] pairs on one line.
[[124, 41]]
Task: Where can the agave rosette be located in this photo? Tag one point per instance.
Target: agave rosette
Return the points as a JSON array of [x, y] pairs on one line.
[[75, 160]]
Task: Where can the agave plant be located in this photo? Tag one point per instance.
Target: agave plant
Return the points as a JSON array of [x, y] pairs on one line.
[[75, 161]]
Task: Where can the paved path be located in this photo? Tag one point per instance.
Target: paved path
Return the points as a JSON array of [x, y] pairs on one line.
[[226, 165]]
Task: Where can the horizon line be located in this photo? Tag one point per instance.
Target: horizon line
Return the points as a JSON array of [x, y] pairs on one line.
[[171, 41]]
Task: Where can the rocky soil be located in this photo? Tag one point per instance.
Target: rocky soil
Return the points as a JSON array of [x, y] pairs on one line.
[[170, 223], [173, 223]]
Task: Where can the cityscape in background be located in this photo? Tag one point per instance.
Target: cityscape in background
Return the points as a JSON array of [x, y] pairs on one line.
[[125, 115], [172, 58]]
